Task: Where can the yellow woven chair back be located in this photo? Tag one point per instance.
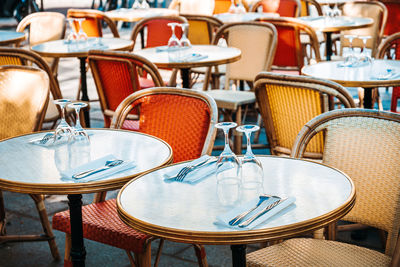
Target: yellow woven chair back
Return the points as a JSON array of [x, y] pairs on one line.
[[24, 95], [201, 28], [364, 144], [287, 102]]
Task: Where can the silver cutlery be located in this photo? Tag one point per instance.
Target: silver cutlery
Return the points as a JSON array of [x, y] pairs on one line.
[[262, 212], [184, 171], [109, 164], [238, 218]]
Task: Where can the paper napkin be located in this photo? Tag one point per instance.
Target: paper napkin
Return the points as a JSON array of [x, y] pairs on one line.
[[224, 219]]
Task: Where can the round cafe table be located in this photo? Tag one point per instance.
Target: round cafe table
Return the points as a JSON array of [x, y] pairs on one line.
[[80, 49], [11, 37], [33, 169], [187, 213], [212, 55], [132, 15], [381, 73], [337, 24]]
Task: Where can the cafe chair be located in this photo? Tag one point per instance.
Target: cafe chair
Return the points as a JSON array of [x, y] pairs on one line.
[[287, 102], [390, 49], [24, 95], [94, 21], [19, 56], [194, 7], [257, 41], [186, 120], [291, 54], [117, 75], [393, 8], [310, 8], [285, 8], [154, 31], [355, 144], [43, 27], [222, 6]]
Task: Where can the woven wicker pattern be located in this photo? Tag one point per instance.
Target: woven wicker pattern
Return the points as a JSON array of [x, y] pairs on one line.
[[102, 224], [158, 32], [183, 122], [10, 60], [368, 150], [316, 252], [291, 108], [24, 94], [285, 8]]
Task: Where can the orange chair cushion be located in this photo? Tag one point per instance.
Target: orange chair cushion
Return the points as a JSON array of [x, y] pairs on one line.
[[102, 224]]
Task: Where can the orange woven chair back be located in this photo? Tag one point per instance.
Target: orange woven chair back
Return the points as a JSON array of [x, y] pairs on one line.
[[289, 51], [285, 8], [183, 118], [93, 23], [222, 6], [24, 95], [117, 75], [157, 30]]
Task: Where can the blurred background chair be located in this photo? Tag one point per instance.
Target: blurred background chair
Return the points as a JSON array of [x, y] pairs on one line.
[[117, 75], [154, 31], [194, 7], [390, 49], [183, 118], [24, 95], [257, 41], [287, 102], [356, 145], [222, 6], [291, 54], [285, 8], [43, 27], [310, 8], [393, 8]]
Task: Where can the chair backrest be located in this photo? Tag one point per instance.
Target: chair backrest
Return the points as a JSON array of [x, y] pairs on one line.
[[19, 56], [184, 118], [202, 28], [289, 51], [365, 145], [285, 8], [369, 9], [257, 42], [156, 30], [93, 23], [307, 7], [393, 8], [287, 102], [194, 7], [117, 75], [24, 95], [222, 6]]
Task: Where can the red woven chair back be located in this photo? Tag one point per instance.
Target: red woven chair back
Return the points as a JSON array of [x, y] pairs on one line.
[[392, 25], [117, 75], [285, 8], [93, 23], [184, 119]]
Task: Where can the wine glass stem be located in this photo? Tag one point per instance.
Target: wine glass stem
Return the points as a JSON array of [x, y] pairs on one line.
[[249, 152], [78, 121], [63, 113], [227, 147]]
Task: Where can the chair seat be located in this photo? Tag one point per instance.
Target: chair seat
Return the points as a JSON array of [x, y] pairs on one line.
[[316, 252], [229, 99], [102, 224]]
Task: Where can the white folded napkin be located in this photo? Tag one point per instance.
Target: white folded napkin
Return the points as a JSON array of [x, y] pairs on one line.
[[166, 48], [197, 174], [224, 219], [50, 142], [100, 162]]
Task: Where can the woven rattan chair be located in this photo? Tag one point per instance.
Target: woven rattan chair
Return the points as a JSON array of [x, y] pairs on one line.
[[308, 5], [257, 41], [19, 56], [43, 27], [290, 54], [287, 102], [117, 75], [93, 23], [195, 7], [364, 144], [390, 49], [222, 6], [393, 8], [185, 119], [24, 95], [285, 8]]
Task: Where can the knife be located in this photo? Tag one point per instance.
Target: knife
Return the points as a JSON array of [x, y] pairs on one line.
[[262, 212]]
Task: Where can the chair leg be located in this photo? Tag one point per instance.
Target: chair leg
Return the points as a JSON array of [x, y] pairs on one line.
[[67, 257], [160, 246], [2, 215], [144, 259], [201, 255], [39, 202]]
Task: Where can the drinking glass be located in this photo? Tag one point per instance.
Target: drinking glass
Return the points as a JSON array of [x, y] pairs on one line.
[[336, 12], [232, 8], [173, 43], [63, 131], [144, 5], [72, 36], [350, 59], [240, 8], [136, 4], [82, 36], [251, 169], [365, 56], [328, 13], [77, 131], [185, 42], [228, 170]]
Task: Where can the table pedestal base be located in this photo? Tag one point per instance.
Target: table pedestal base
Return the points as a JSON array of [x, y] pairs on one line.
[[238, 255], [78, 252], [85, 96]]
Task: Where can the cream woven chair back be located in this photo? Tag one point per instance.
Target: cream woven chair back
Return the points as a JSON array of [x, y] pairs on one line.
[[365, 144], [256, 40], [24, 95], [287, 102], [369, 9]]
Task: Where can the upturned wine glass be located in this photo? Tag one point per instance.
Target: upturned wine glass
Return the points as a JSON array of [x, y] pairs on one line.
[[228, 170], [365, 56], [63, 131], [252, 174], [240, 7], [144, 5], [82, 36], [136, 4], [77, 131], [173, 43], [72, 35], [350, 59], [232, 7]]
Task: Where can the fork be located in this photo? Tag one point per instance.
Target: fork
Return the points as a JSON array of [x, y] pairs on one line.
[[45, 138], [184, 171]]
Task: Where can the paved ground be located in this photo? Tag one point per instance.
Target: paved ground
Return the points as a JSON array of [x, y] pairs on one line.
[[22, 217]]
